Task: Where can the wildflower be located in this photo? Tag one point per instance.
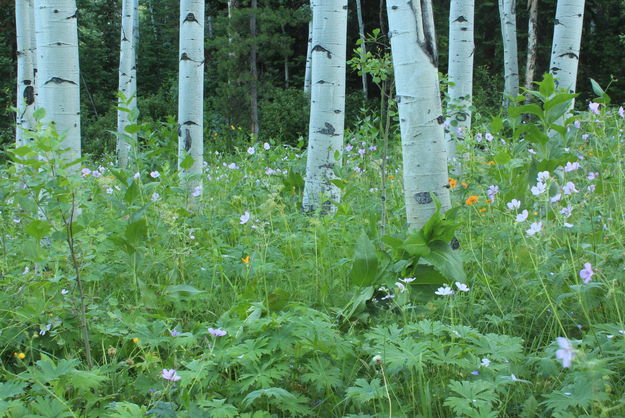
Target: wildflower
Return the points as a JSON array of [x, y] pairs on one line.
[[408, 279], [175, 333], [568, 225], [567, 211], [542, 176], [592, 176], [475, 373], [531, 151], [514, 204], [361, 151], [594, 107], [251, 150], [565, 354], [197, 191], [43, 331], [156, 197], [556, 198], [64, 292], [585, 136], [465, 185], [349, 147], [96, 174], [244, 218], [444, 291], [569, 188], [571, 166], [85, 172], [246, 260], [377, 359], [534, 228], [452, 182], [217, 332], [170, 374], [109, 191], [20, 356], [136, 176], [482, 210], [485, 362], [489, 137], [621, 112], [478, 137], [462, 287], [586, 273], [401, 287], [135, 340], [492, 191], [471, 200], [490, 163], [373, 148], [155, 174], [591, 188], [232, 127], [539, 189], [577, 124], [232, 166], [521, 217]]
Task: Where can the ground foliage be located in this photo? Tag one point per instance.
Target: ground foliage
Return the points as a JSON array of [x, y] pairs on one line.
[[228, 301]]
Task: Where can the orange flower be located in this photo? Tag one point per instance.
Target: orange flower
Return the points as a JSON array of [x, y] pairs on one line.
[[391, 177], [471, 200], [491, 163], [464, 185], [246, 260], [482, 210], [452, 182]]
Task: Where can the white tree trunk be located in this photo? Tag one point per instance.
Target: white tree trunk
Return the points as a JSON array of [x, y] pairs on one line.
[[532, 43], [58, 75], [460, 91], [26, 64], [191, 90], [327, 109], [363, 47], [127, 82], [567, 36], [507, 16], [307, 74], [415, 62]]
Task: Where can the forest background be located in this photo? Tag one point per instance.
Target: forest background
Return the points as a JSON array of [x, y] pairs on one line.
[[281, 39]]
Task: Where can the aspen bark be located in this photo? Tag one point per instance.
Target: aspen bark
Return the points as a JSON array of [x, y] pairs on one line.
[[127, 82], [191, 91], [253, 72], [460, 91], [307, 74], [415, 62], [58, 75], [565, 49], [26, 68], [363, 46], [532, 43], [507, 15], [327, 109]]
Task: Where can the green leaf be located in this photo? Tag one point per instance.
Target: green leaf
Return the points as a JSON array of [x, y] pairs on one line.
[[182, 288], [496, 124], [187, 162], [132, 129], [548, 86], [446, 260], [365, 266], [39, 114], [132, 192], [38, 228], [11, 389], [415, 244], [532, 108], [596, 88], [136, 231]]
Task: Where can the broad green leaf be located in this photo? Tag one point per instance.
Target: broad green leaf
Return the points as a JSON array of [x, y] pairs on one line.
[[136, 231], [187, 162], [415, 244], [365, 266], [38, 228], [132, 192], [182, 288], [446, 260]]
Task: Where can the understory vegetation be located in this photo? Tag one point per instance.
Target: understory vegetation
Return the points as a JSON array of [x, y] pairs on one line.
[[125, 294]]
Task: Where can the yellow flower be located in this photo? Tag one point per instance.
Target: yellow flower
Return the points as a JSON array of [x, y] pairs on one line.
[[232, 127], [471, 200], [246, 260], [20, 356], [452, 182], [135, 340], [491, 163], [391, 177]]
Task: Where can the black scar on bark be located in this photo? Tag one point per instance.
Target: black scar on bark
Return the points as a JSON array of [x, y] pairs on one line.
[[29, 95], [185, 57], [58, 80], [187, 141], [423, 198], [556, 22], [461, 19], [328, 130], [74, 16], [555, 69], [569, 55], [322, 49], [190, 18], [440, 120]]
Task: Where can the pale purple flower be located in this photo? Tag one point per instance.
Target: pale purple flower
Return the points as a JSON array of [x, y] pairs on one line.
[[136, 176], [594, 107], [485, 362], [568, 225], [109, 191], [96, 174], [592, 175], [556, 198], [349, 147], [244, 218], [400, 286], [156, 197], [233, 166], [269, 171], [155, 174], [46, 329], [566, 211], [462, 287], [591, 188], [362, 151], [492, 191], [531, 151], [64, 292], [217, 332], [444, 291], [478, 137], [170, 374], [489, 137], [266, 146], [521, 217], [475, 373], [514, 204], [571, 166], [197, 191], [534, 228], [85, 172], [358, 170], [621, 112], [585, 136], [251, 150], [542, 176], [175, 333], [373, 148], [565, 354], [569, 188], [586, 273], [577, 124], [539, 189]]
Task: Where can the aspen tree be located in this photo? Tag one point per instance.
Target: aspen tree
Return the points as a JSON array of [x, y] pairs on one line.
[[26, 68], [415, 63], [507, 17], [127, 82]]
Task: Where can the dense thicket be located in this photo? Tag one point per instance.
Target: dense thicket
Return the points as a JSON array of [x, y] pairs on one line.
[[281, 42]]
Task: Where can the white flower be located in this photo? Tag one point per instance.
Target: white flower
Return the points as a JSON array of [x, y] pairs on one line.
[[514, 204], [156, 197], [401, 287], [251, 150], [565, 354], [136, 176], [521, 217], [539, 189], [485, 362], [444, 291], [462, 287], [244, 218], [109, 191], [534, 228], [408, 279], [64, 292], [266, 146], [556, 198], [155, 174], [542, 176], [197, 191], [569, 188], [571, 166]]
